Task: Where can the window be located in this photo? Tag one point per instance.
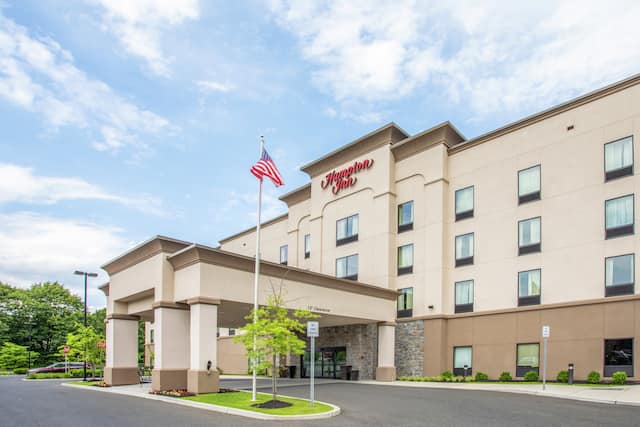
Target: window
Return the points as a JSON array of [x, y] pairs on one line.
[[528, 358], [618, 356], [405, 259], [618, 216], [618, 158], [529, 236], [307, 245], [232, 332], [529, 184], [347, 230], [405, 302], [464, 296], [618, 275], [464, 249], [405, 216], [529, 287], [347, 267], [462, 357], [464, 203], [284, 254]]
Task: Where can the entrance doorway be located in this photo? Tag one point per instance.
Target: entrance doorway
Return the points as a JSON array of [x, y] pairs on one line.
[[327, 362]]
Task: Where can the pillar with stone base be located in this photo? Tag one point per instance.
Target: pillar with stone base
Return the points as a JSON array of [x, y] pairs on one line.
[[171, 346], [386, 370], [121, 367], [203, 373]]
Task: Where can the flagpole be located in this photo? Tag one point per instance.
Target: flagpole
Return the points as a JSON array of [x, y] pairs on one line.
[[255, 283]]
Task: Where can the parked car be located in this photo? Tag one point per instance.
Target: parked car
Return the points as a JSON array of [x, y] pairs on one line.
[[59, 367]]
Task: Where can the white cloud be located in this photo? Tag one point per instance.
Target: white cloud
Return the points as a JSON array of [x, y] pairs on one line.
[[38, 75], [35, 248], [211, 86], [496, 55], [140, 24], [20, 184]]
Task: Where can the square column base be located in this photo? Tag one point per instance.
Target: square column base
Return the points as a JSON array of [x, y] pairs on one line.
[[203, 381], [168, 379], [386, 373], [121, 376]]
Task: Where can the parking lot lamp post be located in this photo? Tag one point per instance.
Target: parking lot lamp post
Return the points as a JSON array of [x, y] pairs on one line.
[[85, 274]]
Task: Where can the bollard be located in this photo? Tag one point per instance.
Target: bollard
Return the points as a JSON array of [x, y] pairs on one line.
[[570, 373], [464, 376]]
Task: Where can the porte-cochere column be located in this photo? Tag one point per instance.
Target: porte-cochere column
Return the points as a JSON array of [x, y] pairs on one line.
[[203, 373], [121, 367], [386, 370], [171, 347]]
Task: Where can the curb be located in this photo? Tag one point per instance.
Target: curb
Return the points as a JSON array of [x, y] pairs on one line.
[[221, 409], [539, 393]]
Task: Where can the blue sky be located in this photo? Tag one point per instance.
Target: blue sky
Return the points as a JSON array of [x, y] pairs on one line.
[[121, 120]]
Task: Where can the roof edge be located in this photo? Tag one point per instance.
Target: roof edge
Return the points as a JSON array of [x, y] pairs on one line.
[[249, 230]]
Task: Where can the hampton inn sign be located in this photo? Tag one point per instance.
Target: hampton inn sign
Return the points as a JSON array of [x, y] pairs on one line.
[[343, 178]]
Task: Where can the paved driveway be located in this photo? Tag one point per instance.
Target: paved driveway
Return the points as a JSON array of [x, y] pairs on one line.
[[46, 403]]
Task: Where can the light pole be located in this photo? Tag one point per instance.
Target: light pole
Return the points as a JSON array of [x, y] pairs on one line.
[[85, 274]]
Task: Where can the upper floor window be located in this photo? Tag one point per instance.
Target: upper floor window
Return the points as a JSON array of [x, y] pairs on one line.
[[464, 203], [347, 267], [529, 236], [462, 357], [619, 216], [529, 287], [405, 216], [307, 245], [618, 158], [405, 259], [347, 230], [284, 254], [405, 302], [528, 358], [464, 249], [619, 275], [529, 184], [464, 296], [232, 332]]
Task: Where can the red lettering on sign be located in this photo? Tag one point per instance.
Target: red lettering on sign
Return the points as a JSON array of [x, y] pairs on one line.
[[341, 179]]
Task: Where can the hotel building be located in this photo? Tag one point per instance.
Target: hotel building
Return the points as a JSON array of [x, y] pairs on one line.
[[422, 253]]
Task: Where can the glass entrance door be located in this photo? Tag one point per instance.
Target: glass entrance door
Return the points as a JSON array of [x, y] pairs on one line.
[[327, 362]]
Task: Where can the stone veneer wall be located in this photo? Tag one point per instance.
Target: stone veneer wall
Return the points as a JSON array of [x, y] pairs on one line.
[[410, 348], [361, 342]]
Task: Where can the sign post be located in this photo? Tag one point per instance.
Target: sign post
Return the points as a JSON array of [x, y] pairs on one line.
[[546, 331], [66, 364], [313, 330]]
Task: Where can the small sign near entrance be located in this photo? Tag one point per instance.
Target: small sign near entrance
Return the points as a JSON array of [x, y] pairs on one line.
[[313, 329], [66, 349], [546, 331]]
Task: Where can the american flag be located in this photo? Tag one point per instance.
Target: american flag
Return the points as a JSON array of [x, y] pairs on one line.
[[266, 167]]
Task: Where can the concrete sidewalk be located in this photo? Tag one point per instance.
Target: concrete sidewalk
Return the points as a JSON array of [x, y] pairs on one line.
[[617, 395]]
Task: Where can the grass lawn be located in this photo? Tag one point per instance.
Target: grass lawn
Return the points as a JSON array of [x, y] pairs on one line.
[[242, 400]]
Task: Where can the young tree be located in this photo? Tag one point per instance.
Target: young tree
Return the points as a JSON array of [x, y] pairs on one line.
[[277, 333], [13, 356], [85, 338]]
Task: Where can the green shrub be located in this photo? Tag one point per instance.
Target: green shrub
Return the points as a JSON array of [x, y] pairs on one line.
[[20, 371], [619, 377], [563, 377], [593, 377], [531, 376], [480, 376], [505, 377], [447, 375], [48, 375]]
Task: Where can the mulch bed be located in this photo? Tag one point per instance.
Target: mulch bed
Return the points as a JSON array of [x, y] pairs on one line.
[[272, 404]]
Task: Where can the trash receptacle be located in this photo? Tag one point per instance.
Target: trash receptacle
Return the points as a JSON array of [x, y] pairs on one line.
[[355, 374], [292, 371], [345, 372]]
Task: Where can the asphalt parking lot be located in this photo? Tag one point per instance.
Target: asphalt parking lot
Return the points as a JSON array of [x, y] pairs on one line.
[[46, 403]]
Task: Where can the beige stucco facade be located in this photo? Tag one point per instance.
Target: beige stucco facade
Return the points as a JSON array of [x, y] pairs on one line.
[[369, 178]]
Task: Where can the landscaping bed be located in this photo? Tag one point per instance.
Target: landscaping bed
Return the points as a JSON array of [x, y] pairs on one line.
[[95, 383], [242, 400]]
